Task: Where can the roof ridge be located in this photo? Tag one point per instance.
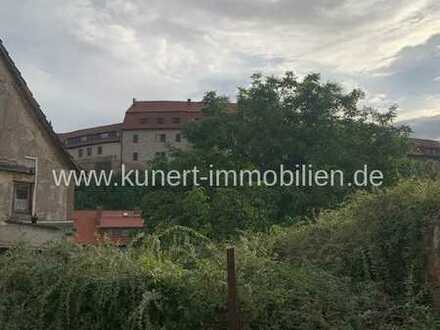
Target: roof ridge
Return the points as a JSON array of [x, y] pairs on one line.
[[90, 128], [41, 117]]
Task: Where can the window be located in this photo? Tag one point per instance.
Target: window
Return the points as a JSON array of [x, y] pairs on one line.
[[176, 120], [89, 151], [104, 135], [143, 121], [83, 138], [22, 197], [135, 156], [135, 138], [80, 153], [178, 138], [161, 138], [99, 150], [160, 154], [160, 121]]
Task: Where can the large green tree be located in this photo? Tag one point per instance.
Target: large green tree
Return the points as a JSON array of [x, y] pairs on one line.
[[277, 121]]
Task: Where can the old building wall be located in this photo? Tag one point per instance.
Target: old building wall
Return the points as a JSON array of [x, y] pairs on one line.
[[21, 135], [110, 153], [33, 235], [148, 144]]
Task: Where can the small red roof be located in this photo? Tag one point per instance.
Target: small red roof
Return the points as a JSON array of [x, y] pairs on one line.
[[120, 219]]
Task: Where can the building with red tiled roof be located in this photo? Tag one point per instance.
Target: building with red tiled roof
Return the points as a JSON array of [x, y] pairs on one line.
[[425, 149], [149, 129], [93, 226]]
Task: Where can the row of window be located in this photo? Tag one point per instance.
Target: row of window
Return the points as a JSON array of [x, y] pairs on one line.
[[89, 151], [91, 138], [158, 138]]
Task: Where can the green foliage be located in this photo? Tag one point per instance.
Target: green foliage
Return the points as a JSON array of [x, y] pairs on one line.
[[160, 288], [375, 237], [360, 267], [217, 213], [111, 197], [277, 121]]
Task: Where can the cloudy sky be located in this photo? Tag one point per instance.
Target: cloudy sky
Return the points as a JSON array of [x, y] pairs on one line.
[[86, 59]]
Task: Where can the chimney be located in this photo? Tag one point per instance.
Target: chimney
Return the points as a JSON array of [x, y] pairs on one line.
[[188, 100], [134, 100]]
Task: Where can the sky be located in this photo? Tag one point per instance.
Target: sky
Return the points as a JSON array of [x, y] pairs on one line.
[[85, 60]]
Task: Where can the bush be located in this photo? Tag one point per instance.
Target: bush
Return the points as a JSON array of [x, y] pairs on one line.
[[361, 267], [374, 237], [175, 287]]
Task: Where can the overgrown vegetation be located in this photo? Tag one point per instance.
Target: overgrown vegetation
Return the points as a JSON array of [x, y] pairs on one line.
[[359, 267], [308, 257], [276, 121]]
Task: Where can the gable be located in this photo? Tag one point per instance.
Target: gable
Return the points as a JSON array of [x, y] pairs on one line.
[[20, 111]]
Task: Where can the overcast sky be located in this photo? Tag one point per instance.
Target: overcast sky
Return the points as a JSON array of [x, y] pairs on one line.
[[85, 60]]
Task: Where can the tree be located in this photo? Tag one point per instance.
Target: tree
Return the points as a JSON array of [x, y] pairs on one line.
[[290, 122]]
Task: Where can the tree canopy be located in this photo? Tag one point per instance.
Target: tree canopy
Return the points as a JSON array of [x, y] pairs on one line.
[[276, 121]]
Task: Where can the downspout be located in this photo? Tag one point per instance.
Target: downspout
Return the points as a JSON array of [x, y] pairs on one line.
[[34, 192]]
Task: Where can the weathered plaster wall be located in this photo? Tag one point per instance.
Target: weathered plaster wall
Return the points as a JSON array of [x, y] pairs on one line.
[[148, 144], [110, 152], [20, 136], [34, 235]]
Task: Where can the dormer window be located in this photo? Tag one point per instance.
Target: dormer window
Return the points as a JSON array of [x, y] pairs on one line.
[[160, 121], [176, 120], [143, 121]]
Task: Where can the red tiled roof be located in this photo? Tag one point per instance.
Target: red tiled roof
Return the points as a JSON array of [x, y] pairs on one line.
[[145, 114], [120, 219], [92, 225], [165, 106]]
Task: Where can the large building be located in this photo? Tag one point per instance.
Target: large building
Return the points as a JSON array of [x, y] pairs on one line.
[[152, 128], [149, 129], [31, 204]]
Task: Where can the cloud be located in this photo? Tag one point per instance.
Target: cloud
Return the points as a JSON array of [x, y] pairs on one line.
[[425, 127], [410, 80], [91, 57]]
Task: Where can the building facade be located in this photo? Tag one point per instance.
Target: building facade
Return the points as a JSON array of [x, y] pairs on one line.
[[95, 148], [149, 129], [425, 149], [30, 201], [153, 128]]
